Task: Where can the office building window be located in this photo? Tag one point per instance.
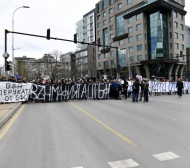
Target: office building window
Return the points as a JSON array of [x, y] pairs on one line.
[[111, 36], [170, 24], [170, 45], [130, 39], [181, 17], [175, 14], [99, 32], [99, 25], [104, 4], [176, 35], [104, 14], [175, 24], [139, 27], [112, 53], [170, 35], [105, 55], [105, 22], [111, 10], [120, 42], [112, 62], [111, 2], [139, 37], [130, 29], [100, 64], [131, 59], [112, 44], [139, 57], [130, 49], [122, 57], [99, 17], [176, 46], [138, 16], [182, 37], [181, 26], [111, 19], [130, 20], [129, 2], [139, 47], [111, 27], [182, 47], [99, 48], [99, 56], [105, 36], [119, 6], [99, 7]]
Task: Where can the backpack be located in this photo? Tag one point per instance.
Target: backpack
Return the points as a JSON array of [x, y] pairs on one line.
[[134, 87]]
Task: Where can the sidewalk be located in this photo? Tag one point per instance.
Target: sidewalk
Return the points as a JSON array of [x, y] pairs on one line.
[[7, 110]]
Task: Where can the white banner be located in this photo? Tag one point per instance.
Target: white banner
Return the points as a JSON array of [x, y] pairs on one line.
[[14, 92]]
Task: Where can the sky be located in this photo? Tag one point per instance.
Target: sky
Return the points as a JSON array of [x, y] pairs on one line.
[[58, 15]]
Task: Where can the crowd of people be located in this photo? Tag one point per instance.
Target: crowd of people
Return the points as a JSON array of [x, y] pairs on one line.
[[138, 88]]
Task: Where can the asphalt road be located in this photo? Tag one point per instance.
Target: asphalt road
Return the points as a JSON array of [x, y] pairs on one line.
[[100, 134]]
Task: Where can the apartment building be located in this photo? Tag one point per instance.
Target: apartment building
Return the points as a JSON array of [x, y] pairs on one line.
[[149, 34]]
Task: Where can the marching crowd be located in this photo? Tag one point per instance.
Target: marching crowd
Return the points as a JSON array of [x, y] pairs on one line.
[[118, 89]]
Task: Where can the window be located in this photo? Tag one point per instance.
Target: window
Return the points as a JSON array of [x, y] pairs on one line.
[[139, 57], [175, 14], [176, 56], [104, 14], [99, 48], [181, 17], [130, 39], [182, 37], [104, 4], [182, 47], [176, 35], [105, 55], [129, 2], [145, 46], [176, 46], [99, 17], [111, 2], [130, 49], [111, 10], [91, 38], [111, 19], [99, 7], [131, 59], [119, 6], [175, 24], [112, 62], [111, 36], [99, 25], [130, 20], [100, 64], [170, 24], [130, 29], [181, 26], [170, 35], [139, 27], [112, 53], [139, 47], [111, 27], [139, 37], [99, 56], [120, 42], [112, 44], [99, 32], [105, 37], [145, 36], [138, 16], [105, 22], [170, 45]]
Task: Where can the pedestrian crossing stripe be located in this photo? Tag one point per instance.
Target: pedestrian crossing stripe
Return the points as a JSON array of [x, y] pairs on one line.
[[123, 164], [166, 156]]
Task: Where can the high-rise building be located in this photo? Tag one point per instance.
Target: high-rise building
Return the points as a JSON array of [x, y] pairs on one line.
[[149, 34]]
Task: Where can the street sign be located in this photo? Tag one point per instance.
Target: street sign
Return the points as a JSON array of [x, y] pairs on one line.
[[102, 75], [105, 76], [16, 76], [6, 55]]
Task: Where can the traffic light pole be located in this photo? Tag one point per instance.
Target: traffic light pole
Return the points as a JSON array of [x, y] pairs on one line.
[[117, 62], [6, 52]]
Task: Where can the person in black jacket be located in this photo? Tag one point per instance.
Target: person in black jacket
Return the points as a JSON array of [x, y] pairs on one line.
[[125, 87], [136, 85], [179, 86], [142, 89]]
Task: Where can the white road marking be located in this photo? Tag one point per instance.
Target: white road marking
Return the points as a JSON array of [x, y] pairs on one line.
[[166, 156], [123, 164], [78, 167]]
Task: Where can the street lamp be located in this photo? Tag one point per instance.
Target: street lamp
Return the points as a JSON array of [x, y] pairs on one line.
[[13, 37]]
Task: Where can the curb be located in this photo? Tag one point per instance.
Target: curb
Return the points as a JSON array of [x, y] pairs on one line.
[[5, 118]]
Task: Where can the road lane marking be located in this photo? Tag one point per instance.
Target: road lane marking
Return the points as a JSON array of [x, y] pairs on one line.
[[115, 132], [166, 156], [11, 122], [78, 167], [123, 164]]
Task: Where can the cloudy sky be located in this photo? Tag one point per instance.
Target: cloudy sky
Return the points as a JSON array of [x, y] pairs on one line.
[[58, 15]]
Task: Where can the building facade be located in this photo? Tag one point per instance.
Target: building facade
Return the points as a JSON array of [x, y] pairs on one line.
[[149, 34]]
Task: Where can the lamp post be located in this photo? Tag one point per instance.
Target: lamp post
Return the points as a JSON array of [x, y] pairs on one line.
[[13, 37]]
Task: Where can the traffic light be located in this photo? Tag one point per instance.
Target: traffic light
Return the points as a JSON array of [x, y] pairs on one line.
[[8, 66], [99, 42], [48, 34], [75, 38], [181, 53], [119, 69]]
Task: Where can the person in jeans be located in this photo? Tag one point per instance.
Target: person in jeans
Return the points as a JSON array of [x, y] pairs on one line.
[[136, 89], [179, 86]]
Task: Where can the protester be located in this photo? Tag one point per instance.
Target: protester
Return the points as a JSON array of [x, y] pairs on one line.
[[187, 88], [136, 89], [125, 87], [179, 86], [142, 89], [114, 87], [145, 90]]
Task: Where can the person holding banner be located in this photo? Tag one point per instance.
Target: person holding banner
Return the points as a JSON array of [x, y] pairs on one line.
[[179, 86], [136, 89], [114, 87]]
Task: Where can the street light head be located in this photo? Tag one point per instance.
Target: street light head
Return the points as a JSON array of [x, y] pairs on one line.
[[26, 7]]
